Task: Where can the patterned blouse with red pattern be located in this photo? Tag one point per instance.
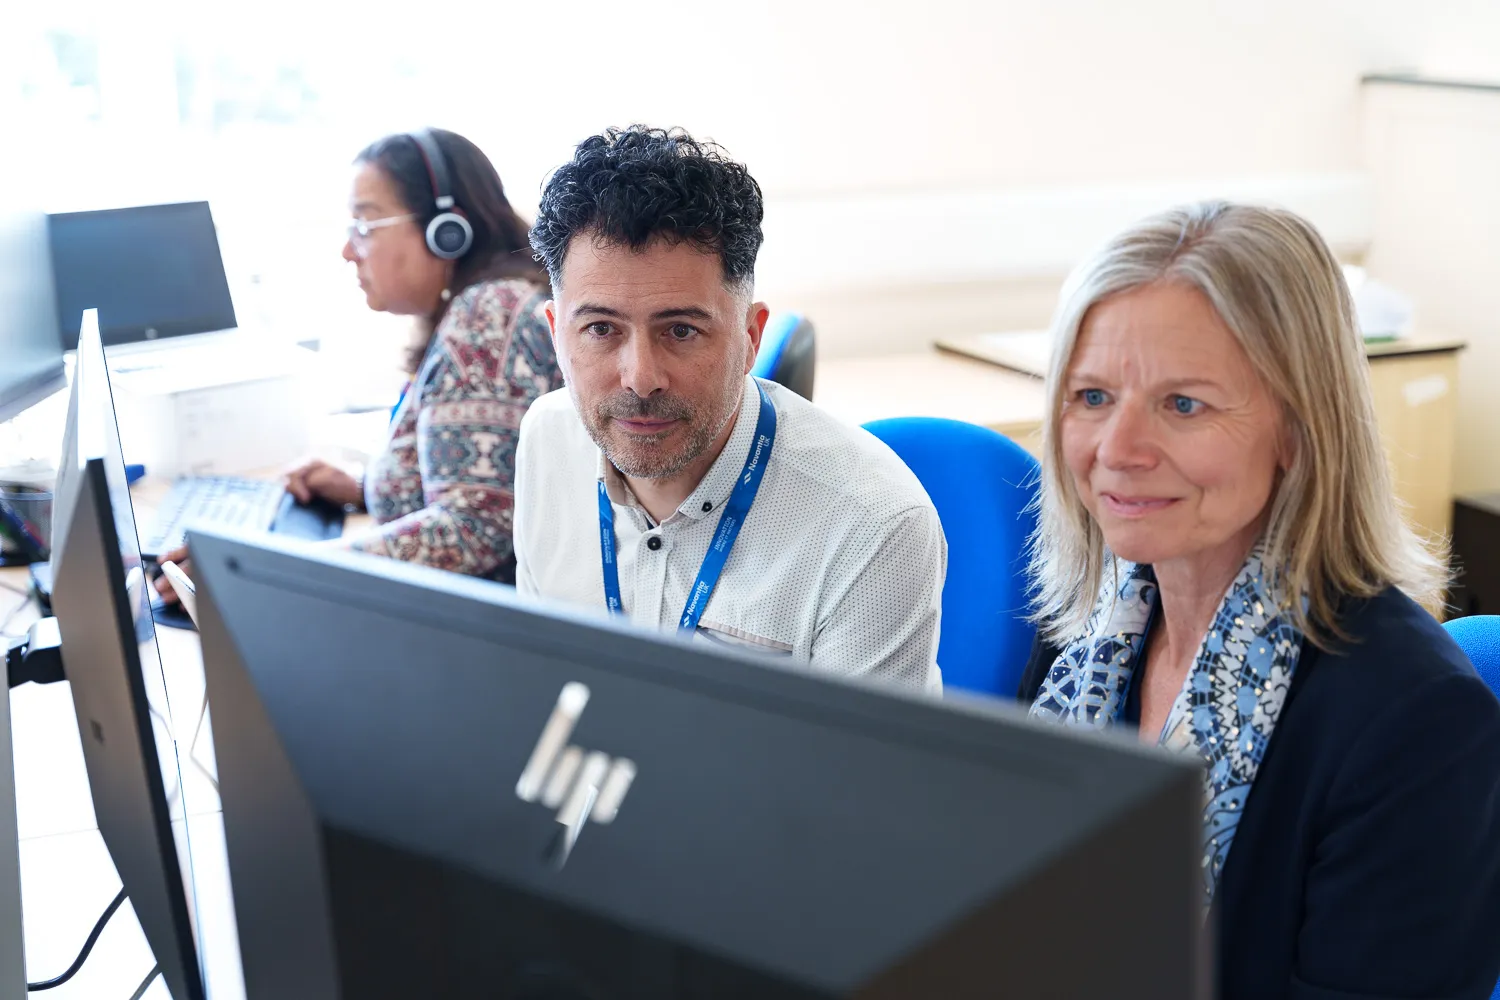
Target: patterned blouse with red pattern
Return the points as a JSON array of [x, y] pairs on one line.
[[442, 490]]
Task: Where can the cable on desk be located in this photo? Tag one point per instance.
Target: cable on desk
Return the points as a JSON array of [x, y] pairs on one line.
[[207, 774], [193, 746], [140, 990], [88, 946]]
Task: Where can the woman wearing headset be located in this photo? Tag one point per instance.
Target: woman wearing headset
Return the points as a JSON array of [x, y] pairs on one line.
[[433, 237]]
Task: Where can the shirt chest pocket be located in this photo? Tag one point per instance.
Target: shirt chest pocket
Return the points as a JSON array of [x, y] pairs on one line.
[[770, 611], [720, 634]]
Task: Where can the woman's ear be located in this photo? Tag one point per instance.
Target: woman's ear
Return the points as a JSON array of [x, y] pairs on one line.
[[1290, 444]]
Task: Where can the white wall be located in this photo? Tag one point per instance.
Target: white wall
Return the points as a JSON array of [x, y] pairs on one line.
[[870, 113], [975, 260], [1451, 38], [820, 96], [886, 103], [889, 103]]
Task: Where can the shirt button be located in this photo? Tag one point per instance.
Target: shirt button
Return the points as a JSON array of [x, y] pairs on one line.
[[707, 506], [653, 543]]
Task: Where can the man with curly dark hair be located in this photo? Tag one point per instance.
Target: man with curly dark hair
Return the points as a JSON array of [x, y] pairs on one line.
[[666, 483]]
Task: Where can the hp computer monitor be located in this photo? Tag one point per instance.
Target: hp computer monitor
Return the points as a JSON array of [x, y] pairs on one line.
[[154, 272], [31, 358], [99, 595], [433, 787]]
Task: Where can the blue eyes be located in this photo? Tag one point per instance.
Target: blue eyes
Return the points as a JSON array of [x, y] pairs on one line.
[[1185, 406]]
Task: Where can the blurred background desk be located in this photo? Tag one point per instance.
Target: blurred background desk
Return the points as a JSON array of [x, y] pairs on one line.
[[933, 384]]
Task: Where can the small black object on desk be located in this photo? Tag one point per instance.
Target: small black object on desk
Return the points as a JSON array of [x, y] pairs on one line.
[[41, 585], [36, 656]]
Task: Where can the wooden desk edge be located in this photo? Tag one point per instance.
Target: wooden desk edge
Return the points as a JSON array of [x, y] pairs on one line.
[[974, 346], [1413, 346]]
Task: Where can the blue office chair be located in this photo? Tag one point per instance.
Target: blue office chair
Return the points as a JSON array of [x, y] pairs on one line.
[[1479, 637], [983, 485], [788, 349]]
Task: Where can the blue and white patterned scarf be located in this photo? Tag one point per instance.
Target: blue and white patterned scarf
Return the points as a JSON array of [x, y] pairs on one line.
[[1229, 703]]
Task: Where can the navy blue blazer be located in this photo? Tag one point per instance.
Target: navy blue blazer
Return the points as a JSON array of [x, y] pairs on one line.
[[1367, 860]]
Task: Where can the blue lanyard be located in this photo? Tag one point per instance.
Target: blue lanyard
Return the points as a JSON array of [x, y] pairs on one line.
[[730, 521], [399, 400]]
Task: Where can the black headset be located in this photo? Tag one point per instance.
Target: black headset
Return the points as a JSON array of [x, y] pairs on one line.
[[449, 234]]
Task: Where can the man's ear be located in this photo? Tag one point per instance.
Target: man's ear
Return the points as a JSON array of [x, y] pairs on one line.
[[755, 326], [563, 361]]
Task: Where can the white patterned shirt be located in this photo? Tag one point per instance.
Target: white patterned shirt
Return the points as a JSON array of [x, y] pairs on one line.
[[839, 564]]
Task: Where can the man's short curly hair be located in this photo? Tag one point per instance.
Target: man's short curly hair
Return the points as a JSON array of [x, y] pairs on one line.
[[630, 187]]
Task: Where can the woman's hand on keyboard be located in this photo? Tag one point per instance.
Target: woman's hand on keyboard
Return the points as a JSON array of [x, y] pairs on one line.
[[319, 479], [163, 585]]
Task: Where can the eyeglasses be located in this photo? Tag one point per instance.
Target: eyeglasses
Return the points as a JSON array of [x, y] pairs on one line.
[[360, 230]]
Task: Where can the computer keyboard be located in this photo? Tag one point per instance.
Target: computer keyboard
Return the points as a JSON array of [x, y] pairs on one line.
[[230, 502]]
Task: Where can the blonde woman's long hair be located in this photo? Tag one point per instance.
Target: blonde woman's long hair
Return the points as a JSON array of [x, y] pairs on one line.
[[1335, 530]]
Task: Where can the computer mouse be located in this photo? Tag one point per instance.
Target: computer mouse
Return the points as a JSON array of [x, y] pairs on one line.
[[317, 520]]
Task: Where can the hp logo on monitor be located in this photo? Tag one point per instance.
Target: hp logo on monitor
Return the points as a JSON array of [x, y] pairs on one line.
[[582, 785]]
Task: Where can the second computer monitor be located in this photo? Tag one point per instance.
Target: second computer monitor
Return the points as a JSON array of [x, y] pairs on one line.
[[110, 657], [154, 272]]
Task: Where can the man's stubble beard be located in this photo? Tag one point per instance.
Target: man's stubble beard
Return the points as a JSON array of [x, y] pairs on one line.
[[640, 458]]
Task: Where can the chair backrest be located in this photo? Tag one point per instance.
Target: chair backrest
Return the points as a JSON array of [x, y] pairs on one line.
[[1479, 637], [983, 486], [788, 353]]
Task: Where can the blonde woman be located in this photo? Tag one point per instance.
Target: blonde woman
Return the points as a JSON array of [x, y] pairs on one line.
[[1221, 565]]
